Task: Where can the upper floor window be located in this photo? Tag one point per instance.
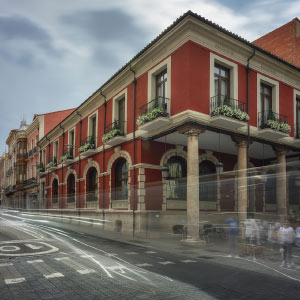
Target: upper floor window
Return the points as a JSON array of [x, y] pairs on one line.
[[119, 116], [222, 83], [93, 129], [161, 85], [266, 101], [71, 141], [55, 150]]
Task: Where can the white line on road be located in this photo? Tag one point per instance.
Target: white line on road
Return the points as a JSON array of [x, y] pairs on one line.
[[131, 253], [86, 271], [33, 247], [61, 258], [6, 264], [150, 252], [53, 275], [87, 256], [144, 265], [166, 262], [35, 261], [188, 261], [14, 280]]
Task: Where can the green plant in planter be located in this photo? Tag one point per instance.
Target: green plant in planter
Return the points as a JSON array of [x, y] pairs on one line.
[[66, 156], [279, 126], [52, 163], [150, 115], [227, 111], [109, 135], [86, 147]]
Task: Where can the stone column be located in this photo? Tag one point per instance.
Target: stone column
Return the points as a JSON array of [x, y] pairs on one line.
[[242, 185], [192, 133], [281, 195]]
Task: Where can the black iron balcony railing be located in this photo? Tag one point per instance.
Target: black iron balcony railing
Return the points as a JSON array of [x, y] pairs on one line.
[[30, 153], [222, 100], [22, 155], [34, 150], [87, 143], [14, 188], [267, 118], [30, 181], [297, 130], [40, 168], [8, 189], [67, 155], [161, 103], [116, 125], [52, 162]]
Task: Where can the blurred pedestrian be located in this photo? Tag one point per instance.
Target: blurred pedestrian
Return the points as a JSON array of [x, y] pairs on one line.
[[251, 233], [233, 232], [286, 237], [297, 240]]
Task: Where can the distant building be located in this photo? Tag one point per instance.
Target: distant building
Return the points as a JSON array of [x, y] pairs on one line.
[[21, 189], [283, 42]]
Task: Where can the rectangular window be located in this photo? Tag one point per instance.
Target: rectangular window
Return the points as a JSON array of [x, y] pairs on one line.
[[161, 90], [72, 142], [222, 84], [266, 101], [93, 129], [55, 152], [121, 114]]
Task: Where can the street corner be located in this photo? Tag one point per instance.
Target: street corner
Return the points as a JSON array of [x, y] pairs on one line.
[[25, 248]]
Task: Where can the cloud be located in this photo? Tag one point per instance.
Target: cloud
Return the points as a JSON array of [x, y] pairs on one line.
[[24, 42]]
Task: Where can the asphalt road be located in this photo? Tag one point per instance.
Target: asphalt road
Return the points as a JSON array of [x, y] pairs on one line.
[[40, 259]]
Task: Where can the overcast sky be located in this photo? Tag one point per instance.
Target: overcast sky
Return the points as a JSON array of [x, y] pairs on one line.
[[55, 53]]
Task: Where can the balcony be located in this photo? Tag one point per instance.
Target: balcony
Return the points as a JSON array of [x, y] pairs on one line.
[[8, 189], [34, 150], [30, 153], [87, 146], [30, 181], [154, 114], [52, 164], [67, 158], [228, 112], [273, 125], [114, 133], [40, 169]]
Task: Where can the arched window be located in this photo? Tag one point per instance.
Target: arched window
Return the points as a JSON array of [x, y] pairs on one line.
[[55, 191], [207, 181], [92, 185], [121, 180], [176, 182], [71, 188]]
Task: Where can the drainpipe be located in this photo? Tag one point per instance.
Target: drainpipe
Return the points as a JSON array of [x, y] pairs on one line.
[[79, 161], [248, 69], [62, 165], [134, 154], [103, 158], [48, 160]]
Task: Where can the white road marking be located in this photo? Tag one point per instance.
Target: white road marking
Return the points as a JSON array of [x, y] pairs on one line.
[[61, 258], [35, 261], [111, 254], [144, 265], [87, 256], [33, 247], [9, 248], [86, 271], [150, 252], [6, 264], [131, 253], [54, 275], [188, 261], [166, 262], [15, 280]]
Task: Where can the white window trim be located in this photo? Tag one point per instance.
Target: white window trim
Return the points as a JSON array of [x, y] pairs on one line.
[[165, 64], [296, 94], [115, 113], [275, 94], [233, 67], [89, 121]]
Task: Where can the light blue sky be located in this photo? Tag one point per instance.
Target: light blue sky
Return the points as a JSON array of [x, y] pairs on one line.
[[56, 53]]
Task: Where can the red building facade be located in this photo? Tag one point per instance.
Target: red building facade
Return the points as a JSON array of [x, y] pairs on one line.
[[171, 134]]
